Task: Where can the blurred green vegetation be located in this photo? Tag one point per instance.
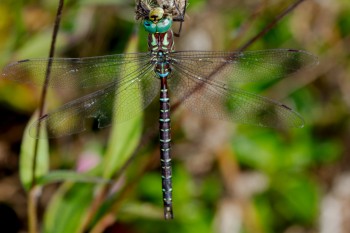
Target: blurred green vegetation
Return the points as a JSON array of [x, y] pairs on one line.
[[227, 177]]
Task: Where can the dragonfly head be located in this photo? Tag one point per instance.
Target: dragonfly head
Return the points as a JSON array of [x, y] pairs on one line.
[[157, 21]]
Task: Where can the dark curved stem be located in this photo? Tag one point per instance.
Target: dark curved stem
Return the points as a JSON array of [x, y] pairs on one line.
[[270, 25], [46, 83], [33, 193]]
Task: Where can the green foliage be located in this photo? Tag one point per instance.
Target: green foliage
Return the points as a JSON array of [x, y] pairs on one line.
[[122, 142], [65, 175], [124, 137], [28, 158], [344, 22], [68, 208]]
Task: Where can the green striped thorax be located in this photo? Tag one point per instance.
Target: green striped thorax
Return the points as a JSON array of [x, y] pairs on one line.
[[157, 22]]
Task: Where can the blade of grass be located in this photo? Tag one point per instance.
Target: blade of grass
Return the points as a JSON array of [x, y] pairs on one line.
[[68, 207], [122, 143], [27, 157], [125, 137], [72, 176], [26, 171]]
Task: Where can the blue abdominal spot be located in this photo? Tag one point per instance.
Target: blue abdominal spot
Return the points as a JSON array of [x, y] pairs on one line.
[[163, 75]]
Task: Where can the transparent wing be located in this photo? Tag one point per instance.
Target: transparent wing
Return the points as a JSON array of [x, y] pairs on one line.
[[121, 101], [205, 83], [78, 72], [243, 67]]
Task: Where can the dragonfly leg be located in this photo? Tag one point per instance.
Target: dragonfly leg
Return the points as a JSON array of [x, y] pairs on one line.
[[181, 18]]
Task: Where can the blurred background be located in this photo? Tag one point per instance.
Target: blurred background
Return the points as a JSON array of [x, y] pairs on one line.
[[227, 178]]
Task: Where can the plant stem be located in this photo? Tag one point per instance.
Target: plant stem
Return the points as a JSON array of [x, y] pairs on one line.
[[33, 193], [32, 209], [270, 25]]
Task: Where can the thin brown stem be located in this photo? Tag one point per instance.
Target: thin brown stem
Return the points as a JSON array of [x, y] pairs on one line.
[[33, 196], [32, 210], [46, 84], [270, 25]]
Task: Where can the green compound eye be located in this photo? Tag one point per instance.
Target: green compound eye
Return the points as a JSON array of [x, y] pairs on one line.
[[161, 26], [164, 25], [150, 26]]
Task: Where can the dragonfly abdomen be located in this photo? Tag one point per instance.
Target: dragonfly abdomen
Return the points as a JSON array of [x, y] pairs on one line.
[[165, 147]]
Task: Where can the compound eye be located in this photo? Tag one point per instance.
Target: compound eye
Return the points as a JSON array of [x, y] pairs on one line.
[[164, 25], [150, 26]]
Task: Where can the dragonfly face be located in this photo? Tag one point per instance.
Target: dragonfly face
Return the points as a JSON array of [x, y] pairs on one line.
[[157, 21], [156, 14]]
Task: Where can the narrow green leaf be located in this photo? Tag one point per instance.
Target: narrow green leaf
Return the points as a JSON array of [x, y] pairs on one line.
[[66, 175], [68, 208], [36, 46], [124, 137], [27, 157]]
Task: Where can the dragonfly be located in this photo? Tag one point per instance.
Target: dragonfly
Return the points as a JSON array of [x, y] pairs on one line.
[[206, 82]]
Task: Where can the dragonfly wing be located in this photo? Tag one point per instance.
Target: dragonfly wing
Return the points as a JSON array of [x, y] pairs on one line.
[[121, 101], [78, 72], [225, 68], [213, 96]]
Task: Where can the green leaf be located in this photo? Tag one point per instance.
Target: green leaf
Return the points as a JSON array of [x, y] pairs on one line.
[[66, 175], [74, 200], [124, 137], [27, 157], [37, 45], [68, 208], [298, 198]]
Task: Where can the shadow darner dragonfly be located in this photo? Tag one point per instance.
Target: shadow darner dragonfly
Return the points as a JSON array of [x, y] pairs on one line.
[[205, 82]]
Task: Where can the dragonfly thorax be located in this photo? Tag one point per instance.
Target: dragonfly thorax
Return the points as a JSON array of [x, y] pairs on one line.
[[161, 42]]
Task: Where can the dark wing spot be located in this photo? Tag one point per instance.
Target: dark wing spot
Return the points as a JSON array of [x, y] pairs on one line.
[[286, 107], [25, 60]]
